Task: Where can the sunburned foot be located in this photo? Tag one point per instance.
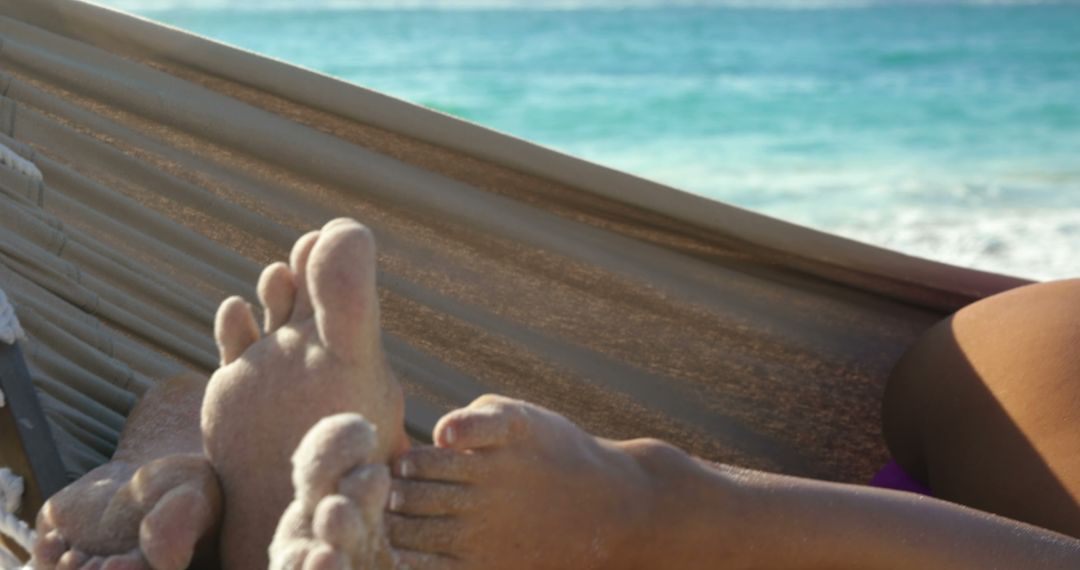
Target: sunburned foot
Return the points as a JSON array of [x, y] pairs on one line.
[[122, 516], [321, 355], [512, 485], [335, 521]]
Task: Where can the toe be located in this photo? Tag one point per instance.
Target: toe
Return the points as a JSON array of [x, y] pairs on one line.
[[430, 499], [486, 423], [72, 560], [169, 533], [331, 448], [152, 481], [326, 558], [338, 522], [277, 291], [289, 554], [341, 280], [234, 329], [49, 548], [298, 261], [369, 489], [437, 464]]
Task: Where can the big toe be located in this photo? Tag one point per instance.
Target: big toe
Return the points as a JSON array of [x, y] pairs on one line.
[[331, 448], [490, 421], [352, 521], [341, 282], [48, 548], [169, 533], [368, 489]]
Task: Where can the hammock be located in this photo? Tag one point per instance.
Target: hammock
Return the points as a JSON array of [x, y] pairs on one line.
[[172, 168]]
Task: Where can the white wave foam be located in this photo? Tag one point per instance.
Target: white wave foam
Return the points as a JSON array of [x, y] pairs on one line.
[[1032, 243], [1017, 219]]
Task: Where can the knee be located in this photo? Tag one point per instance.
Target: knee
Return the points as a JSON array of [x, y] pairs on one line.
[[1014, 342]]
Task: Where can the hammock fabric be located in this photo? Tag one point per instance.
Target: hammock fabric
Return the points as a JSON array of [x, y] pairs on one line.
[[173, 168]]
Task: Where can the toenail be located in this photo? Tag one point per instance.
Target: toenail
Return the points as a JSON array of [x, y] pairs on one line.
[[405, 468], [449, 435], [396, 501]]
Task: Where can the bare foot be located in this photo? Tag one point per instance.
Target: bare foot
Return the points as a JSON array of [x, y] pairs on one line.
[[335, 521], [120, 516], [322, 355], [512, 485]]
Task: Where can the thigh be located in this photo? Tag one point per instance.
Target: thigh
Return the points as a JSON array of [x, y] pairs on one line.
[[985, 407]]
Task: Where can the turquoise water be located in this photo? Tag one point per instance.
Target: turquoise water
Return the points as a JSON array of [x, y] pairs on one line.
[[951, 132]]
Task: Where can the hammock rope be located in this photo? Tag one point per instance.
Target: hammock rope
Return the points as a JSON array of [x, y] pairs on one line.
[[11, 159], [11, 491], [10, 330], [11, 485], [11, 526]]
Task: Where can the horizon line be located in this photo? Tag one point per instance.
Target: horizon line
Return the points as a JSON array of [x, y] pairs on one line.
[[556, 5]]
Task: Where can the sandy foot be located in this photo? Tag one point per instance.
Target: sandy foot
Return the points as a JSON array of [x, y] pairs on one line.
[[123, 517], [321, 355], [513, 485], [335, 521]]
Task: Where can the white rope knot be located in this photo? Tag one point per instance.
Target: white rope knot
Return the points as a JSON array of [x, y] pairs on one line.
[[10, 159], [10, 330], [11, 485], [11, 491]]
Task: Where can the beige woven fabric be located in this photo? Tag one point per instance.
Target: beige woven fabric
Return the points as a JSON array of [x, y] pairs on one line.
[[174, 168]]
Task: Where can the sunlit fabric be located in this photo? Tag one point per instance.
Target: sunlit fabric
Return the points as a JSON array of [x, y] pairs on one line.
[[173, 169]]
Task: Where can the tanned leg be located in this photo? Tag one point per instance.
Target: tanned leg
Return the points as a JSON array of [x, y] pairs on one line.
[[985, 408], [511, 485], [322, 355]]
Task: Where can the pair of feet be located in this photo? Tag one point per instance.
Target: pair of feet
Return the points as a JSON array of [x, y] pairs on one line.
[[506, 485]]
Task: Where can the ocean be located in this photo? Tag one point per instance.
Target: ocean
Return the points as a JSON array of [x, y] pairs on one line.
[[945, 131]]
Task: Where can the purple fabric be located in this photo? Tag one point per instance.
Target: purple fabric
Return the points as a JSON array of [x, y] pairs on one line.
[[892, 476]]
